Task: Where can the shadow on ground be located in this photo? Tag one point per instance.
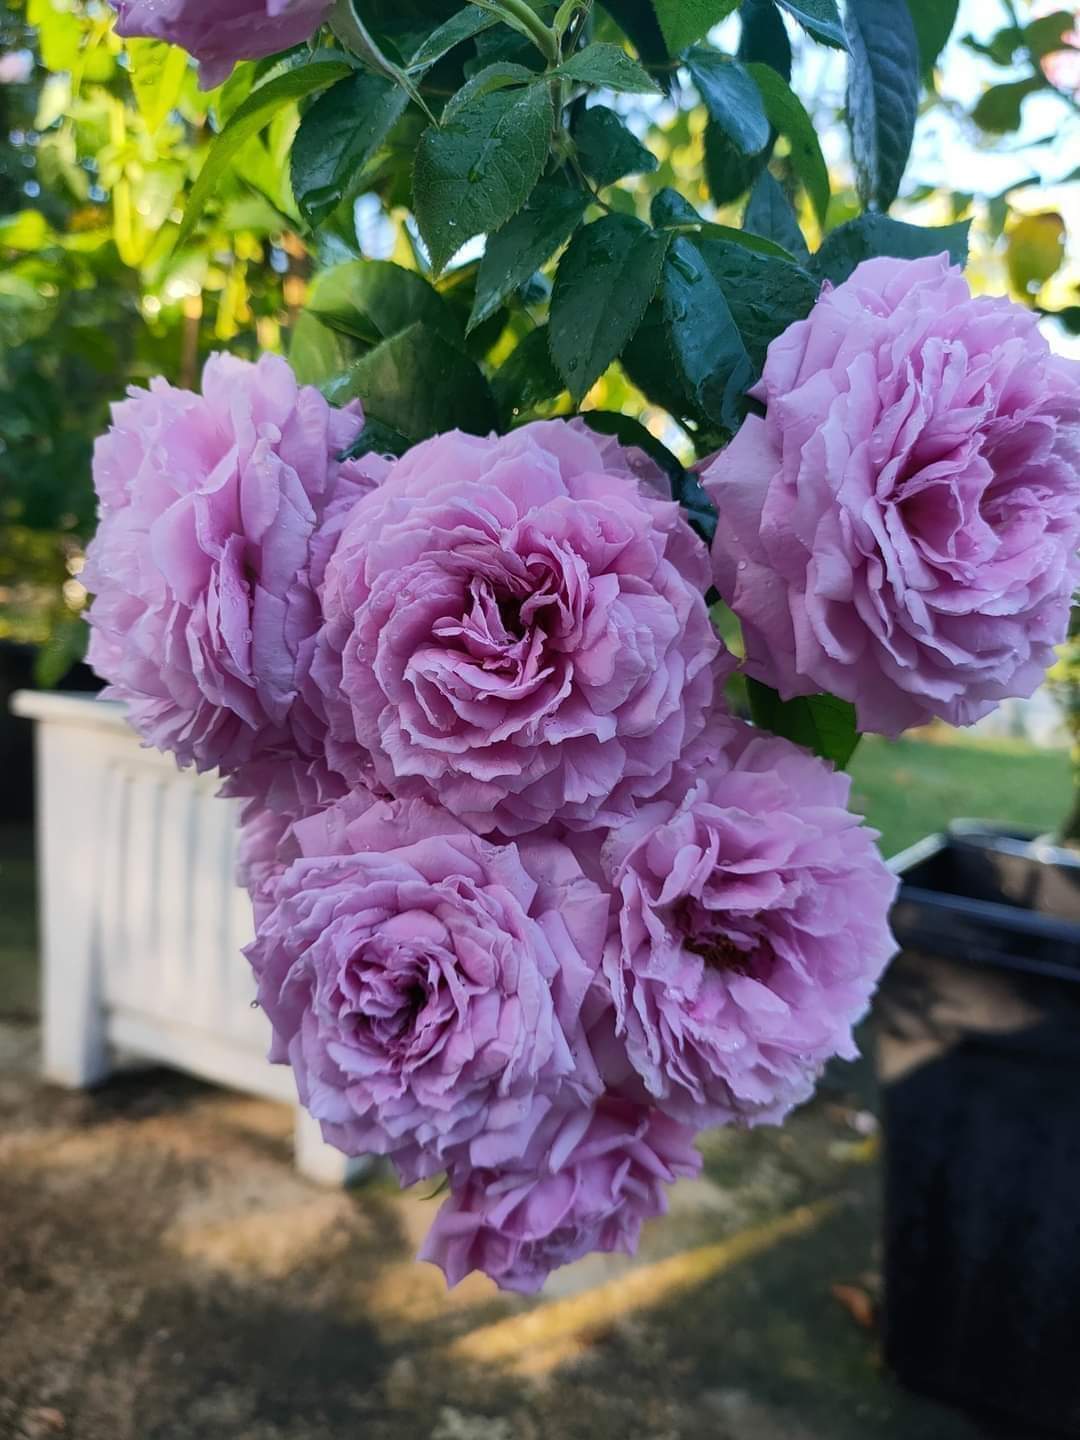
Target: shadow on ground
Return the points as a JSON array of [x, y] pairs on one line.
[[165, 1275]]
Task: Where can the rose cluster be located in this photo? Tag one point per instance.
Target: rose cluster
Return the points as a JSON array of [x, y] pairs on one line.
[[533, 907]]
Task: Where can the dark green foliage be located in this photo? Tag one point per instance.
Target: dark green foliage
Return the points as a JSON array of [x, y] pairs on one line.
[[728, 171], [731, 97], [934, 21], [498, 127], [607, 67], [371, 300], [337, 137], [517, 250], [849, 245], [770, 215], [607, 149], [604, 284], [684, 21], [417, 384], [764, 38], [883, 95], [477, 168], [710, 352], [788, 115], [821, 18], [821, 723], [527, 379]]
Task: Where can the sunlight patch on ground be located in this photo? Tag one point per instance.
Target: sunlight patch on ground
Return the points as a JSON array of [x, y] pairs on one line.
[[538, 1341]]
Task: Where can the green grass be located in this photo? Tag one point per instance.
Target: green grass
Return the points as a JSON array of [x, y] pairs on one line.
[[911, 788]]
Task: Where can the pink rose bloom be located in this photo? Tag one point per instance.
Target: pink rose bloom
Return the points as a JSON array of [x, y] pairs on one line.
[[265, 848], [516, 628], [217, 513], [901, 529], [426, 985], [752, 929], [220, 32], [590, 1180]]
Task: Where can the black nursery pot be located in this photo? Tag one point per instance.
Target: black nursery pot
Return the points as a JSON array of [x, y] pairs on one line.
[[978, 1042]]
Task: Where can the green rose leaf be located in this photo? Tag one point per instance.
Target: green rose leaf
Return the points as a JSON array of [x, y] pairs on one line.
[[769, 214], [604, 283], [669, 208], [728, 172], [704, 336], [787, 115], [370, 300], [731, 97], [516, 251], [607, 149], [465, 25], [821, 723], [637, 19], [246, 122], [934, 21], [765, 295], [478, 167], [998, 110], [819, 18], [882, 96], [764, 36], [376, 439], [337, 137], [684, 21], [527, 378], [417, 384], [869, 235], [317, 353], [650, 362], [610, 67]]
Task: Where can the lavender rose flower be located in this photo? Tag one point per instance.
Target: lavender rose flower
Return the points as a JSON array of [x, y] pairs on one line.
[[217, 513], [220, 32], [901, 529], [590, 1180], [426, 986], [516, 628], [752, 928], [265, 848]]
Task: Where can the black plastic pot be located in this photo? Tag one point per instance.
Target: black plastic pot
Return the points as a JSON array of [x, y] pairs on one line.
[[978, 1040]]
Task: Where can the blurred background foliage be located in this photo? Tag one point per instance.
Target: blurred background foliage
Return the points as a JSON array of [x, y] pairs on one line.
[[101, 142]]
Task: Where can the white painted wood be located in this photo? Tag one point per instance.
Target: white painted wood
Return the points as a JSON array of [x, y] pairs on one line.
[[319, 1161], [142, 923]]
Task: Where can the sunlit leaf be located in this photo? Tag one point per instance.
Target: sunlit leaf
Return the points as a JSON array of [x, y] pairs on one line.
[[256, 112]]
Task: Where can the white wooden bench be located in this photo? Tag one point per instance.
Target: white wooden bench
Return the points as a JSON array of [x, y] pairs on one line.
[[141, 922]]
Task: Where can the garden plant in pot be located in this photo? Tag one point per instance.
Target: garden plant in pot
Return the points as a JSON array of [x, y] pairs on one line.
[[533, 905]]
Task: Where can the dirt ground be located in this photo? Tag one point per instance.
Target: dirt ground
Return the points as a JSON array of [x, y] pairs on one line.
[[165, 1275]]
